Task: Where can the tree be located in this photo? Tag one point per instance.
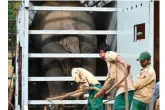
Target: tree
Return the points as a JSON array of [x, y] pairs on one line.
[[12, 13]]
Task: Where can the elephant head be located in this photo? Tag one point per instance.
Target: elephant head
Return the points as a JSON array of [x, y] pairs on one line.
[[71, 44]]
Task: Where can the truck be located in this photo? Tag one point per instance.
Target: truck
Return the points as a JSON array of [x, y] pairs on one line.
[[51, 34]]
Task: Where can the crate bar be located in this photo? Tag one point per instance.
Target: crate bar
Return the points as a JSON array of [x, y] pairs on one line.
[[14, 0], [74, 55], [16, 63], [25, 57], [74, 32], [58, 55], [26, 3], [100, 78], [45, 102], [151, 30], [21, 37], [93, 9]]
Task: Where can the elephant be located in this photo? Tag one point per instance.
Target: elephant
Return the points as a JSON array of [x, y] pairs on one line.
[[62, 20]]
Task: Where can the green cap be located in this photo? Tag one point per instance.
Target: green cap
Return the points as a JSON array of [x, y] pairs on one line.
[[143, 56]]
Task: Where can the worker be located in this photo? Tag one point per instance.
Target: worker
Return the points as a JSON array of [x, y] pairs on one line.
[[144, 84], [116, 69], [86, 79]]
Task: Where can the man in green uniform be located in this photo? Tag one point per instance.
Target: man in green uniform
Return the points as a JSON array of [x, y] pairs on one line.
[[86, 79], [144, 84], [117, 67]]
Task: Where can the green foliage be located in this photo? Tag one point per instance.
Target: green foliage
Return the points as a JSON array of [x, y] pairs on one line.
[[12, 9], [12, 13]]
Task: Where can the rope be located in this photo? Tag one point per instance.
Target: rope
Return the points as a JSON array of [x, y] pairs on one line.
[[94, 88], [126, 93], [72, 93]]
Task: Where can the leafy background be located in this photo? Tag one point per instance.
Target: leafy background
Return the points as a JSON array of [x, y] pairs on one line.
[[12, 13]]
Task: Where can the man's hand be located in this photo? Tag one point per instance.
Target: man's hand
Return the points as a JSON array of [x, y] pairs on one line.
[[100, 93], [128, 67]]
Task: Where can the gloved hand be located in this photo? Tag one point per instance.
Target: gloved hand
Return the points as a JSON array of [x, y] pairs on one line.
[[100, 93]]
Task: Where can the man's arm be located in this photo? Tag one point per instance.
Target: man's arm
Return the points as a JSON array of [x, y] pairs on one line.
[[143, 81], [123, 62], [113, 56]]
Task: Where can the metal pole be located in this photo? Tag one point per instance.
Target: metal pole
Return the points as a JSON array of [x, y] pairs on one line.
[[22, 44], [26, 3], [25, 56], [151, 30], [17, 67]]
